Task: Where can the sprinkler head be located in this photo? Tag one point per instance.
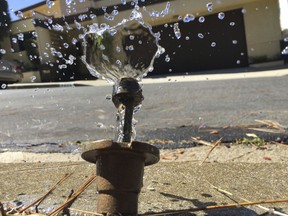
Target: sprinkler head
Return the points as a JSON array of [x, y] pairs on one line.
[[127, 95], [127, 91]]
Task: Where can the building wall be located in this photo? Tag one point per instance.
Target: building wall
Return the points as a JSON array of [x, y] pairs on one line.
[[17, 27], [76, 8], [261, 18], [263, 31]]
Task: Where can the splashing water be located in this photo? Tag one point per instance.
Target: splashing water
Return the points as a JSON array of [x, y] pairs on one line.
[[127, 49]]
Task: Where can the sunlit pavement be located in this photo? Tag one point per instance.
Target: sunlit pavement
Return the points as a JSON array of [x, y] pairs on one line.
[[175, 183], [163, 79]]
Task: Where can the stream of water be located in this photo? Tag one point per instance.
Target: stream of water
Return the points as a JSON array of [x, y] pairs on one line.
[[126, 50]]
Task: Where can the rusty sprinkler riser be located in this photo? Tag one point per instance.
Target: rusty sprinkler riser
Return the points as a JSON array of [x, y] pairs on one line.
[[119, 171], [120, 165]]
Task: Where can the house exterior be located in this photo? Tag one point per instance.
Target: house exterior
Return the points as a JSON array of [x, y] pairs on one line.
[[223, 34]]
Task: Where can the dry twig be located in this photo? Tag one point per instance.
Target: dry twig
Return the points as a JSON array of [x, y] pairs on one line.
[[213, 207], [202, 142], [225, 192], [86, 212], [40, 200], [74, 195], [273, 127], [213, 147]]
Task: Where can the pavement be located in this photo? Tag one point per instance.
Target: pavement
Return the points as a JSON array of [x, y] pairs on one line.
[[211, 75], [183, 179]]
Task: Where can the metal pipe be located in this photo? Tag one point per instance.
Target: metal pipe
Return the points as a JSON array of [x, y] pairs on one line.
[[127, 93], [120, 166], [119, 171]]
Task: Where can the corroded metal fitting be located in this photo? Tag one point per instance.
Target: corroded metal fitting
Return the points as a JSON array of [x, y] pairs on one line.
[[119, 170]]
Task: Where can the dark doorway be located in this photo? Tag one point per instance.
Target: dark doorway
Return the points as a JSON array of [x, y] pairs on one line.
[[213, 44]]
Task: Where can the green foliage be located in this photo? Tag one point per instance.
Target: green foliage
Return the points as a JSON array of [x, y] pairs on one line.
[[252, 140]]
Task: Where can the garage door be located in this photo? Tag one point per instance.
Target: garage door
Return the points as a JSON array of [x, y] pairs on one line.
[[217, 43]]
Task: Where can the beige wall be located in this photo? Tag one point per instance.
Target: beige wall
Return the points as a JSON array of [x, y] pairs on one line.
[[263, 31], [17, 27], [77, 8]]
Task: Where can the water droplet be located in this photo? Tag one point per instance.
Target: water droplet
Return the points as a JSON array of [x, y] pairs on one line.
[[68, 2], [3, 86], [34, 34], [115, 12], [108, 17], [132, 37], [92, 16], [177, 30], [166, 10], [187, 37], [102, 47], [221, 15], [74, 41], [188, 18], [82, 17], [209, 6], [213, 44], [131, 47], [33, 78], [62, 66], [66, 45], [285, 51], [118, 62], [33, 45], [20, 14], [20, 36], [50, 3], [200, 35], [58, 27], [201, 19], [118, 49], [104, 8], [151, 68], [243, 11], [165, 25], [235, 42], [232, 23], [2, 51], [123, 2], [14, 40], [238, 61], [167, 58]]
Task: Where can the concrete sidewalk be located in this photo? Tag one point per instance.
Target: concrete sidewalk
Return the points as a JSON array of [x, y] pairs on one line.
[[177, 182], [167, 186]]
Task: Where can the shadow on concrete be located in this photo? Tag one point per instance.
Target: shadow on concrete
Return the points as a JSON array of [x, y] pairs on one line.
[[212, 212]]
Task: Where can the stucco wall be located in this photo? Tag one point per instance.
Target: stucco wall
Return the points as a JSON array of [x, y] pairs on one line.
[[263, 31], [17, 27]]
